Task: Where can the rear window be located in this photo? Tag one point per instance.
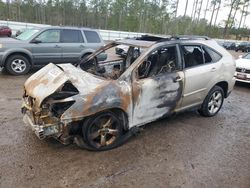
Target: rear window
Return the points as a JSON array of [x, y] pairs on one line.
[[71, 36], [92, 37], [213, 55]]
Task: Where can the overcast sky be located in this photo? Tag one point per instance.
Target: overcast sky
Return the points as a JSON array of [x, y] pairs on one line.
[[223, 13]]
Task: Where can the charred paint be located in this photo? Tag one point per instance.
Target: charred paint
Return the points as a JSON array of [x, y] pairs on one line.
[[142, 100], [159, 95], [102, 98], [35, 82], [136, 92]]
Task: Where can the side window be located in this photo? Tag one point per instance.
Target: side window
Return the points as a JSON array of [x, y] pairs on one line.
[[160, 61], [210, 55], [71, 36], [50, 36], [193, 55], [92, 36]]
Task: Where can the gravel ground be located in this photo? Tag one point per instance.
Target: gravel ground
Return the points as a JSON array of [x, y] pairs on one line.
[[182, 151]]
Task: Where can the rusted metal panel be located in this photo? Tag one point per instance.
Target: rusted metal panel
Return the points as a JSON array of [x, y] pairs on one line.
[[155, 97], [136, 43]]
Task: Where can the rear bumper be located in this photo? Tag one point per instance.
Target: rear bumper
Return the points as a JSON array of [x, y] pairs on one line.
[[42, 131]]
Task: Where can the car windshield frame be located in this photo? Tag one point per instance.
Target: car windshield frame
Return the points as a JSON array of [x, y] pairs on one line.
[[26, 35], [145, 45]]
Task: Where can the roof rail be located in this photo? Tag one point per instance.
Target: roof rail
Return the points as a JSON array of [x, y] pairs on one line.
[[151, 37], [190, 37]]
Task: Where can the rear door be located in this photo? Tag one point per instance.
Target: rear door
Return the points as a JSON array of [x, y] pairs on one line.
[[48, 49], [72, 45], [201, 67]]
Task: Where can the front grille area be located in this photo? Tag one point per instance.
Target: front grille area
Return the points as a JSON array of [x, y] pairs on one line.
[[244, 71]]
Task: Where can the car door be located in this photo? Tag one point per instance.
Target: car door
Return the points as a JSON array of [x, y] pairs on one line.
[[93, 40], [46, 47], [201, 67], [157, 85], [72, 45]]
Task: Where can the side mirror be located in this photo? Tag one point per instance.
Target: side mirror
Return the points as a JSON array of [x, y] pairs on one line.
[[240, 56], [36, 41]]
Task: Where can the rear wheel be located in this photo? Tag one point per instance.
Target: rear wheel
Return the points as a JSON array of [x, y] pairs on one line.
[[102, 131], [213, 102], [17, 65]]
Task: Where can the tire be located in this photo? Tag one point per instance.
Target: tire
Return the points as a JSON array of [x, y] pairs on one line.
[[102, 131], [17, 65], [213, 102]]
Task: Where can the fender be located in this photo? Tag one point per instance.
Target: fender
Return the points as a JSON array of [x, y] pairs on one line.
[[16, 51], [101, 57], [86, 51]]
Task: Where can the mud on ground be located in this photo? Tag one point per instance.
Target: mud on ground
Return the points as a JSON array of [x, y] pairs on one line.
[[183, 151]]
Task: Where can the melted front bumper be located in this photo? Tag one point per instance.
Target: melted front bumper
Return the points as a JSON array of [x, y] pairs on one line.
[[42, 131]]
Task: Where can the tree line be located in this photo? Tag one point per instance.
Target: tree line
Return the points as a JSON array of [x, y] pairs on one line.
[[147, 16]]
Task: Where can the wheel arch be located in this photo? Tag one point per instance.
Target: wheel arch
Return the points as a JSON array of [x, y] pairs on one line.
[[121, 114], [26, 55], [86, 52], [224, 86]]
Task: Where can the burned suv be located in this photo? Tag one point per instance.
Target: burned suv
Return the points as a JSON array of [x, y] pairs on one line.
[[100, 104]]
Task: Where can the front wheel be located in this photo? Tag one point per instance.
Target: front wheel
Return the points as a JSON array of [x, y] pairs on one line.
[[103, 131], [213, 102], [17, 65]]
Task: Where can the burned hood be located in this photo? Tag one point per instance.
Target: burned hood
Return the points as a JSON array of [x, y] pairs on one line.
[[52, 77]]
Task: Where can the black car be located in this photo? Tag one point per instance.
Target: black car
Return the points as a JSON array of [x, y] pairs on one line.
[[229, 45], [244, 47]]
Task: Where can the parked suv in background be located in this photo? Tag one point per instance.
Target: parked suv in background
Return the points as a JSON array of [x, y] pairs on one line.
[[36, 47], [100, 107], [243, 46], [5, 31]]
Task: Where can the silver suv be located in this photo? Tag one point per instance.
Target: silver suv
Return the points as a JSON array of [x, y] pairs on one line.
[[100, 104], [38, 47]]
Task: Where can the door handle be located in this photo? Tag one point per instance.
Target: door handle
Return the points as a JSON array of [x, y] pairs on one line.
[[57, 46], [213, 69], [178, 79]]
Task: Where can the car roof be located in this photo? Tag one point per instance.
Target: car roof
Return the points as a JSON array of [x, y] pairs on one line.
[[147, 41], [68, 27], [136, 43]]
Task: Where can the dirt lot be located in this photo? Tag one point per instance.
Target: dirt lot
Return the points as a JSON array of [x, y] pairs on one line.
[[183, 151]]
